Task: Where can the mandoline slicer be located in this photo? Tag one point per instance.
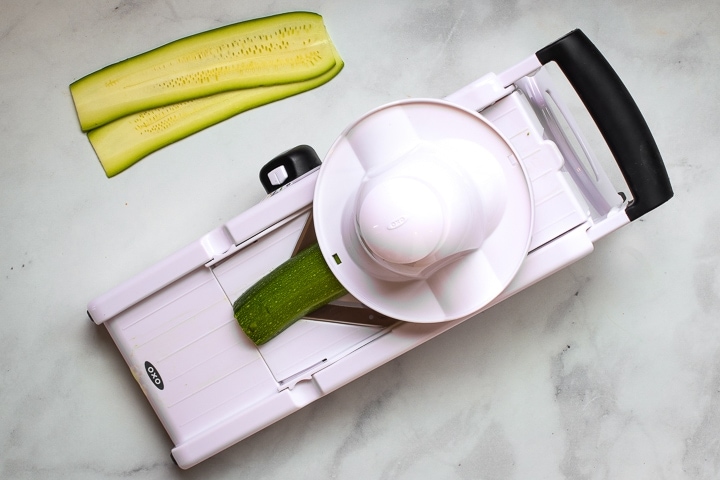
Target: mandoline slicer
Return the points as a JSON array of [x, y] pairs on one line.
[[530, 200]]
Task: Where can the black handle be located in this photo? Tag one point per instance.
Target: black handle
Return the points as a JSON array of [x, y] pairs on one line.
[[616, 116]]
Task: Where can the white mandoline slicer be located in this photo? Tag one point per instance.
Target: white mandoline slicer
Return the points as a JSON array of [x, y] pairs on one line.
[[428, 211]]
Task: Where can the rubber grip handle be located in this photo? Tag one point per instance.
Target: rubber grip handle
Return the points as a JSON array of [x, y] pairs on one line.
[[617, 117]]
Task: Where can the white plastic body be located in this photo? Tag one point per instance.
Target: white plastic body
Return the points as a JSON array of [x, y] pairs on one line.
[[211, 387]]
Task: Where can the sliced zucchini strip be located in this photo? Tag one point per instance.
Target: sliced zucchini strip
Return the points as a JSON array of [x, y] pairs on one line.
[[125, 141], [285, 48]]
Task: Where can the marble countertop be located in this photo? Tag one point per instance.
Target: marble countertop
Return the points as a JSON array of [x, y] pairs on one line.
[[608, 369]]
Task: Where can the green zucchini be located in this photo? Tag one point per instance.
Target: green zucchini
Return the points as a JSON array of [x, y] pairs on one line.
[[285, 48], [299, 286], [123, 142]]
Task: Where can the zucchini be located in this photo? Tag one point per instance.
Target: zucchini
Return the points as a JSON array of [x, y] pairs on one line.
[[299, 286], [123, 142], [284, 48]]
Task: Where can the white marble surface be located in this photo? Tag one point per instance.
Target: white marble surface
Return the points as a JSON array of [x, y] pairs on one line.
[[609, 369]]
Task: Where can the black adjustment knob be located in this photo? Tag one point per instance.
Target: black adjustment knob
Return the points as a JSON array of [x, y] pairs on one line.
[[288, 166]]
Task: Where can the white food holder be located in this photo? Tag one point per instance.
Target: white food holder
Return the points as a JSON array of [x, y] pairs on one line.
[[424, 209]]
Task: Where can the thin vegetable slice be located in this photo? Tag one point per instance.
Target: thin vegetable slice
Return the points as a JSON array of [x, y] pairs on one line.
[[125, 141], [285, 48], [299, 286]]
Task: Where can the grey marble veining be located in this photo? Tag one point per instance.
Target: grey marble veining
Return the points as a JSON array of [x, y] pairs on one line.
[[609, 369]]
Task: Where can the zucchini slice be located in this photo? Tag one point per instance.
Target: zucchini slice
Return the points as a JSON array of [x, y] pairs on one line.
[[285, 48], [299, 286], [123, 142]]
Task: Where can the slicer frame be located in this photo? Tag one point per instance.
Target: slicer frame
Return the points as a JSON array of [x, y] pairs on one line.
[[211, 386]]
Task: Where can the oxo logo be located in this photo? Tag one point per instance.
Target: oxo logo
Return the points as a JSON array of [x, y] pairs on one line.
[[397, 223], [154, 375]]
